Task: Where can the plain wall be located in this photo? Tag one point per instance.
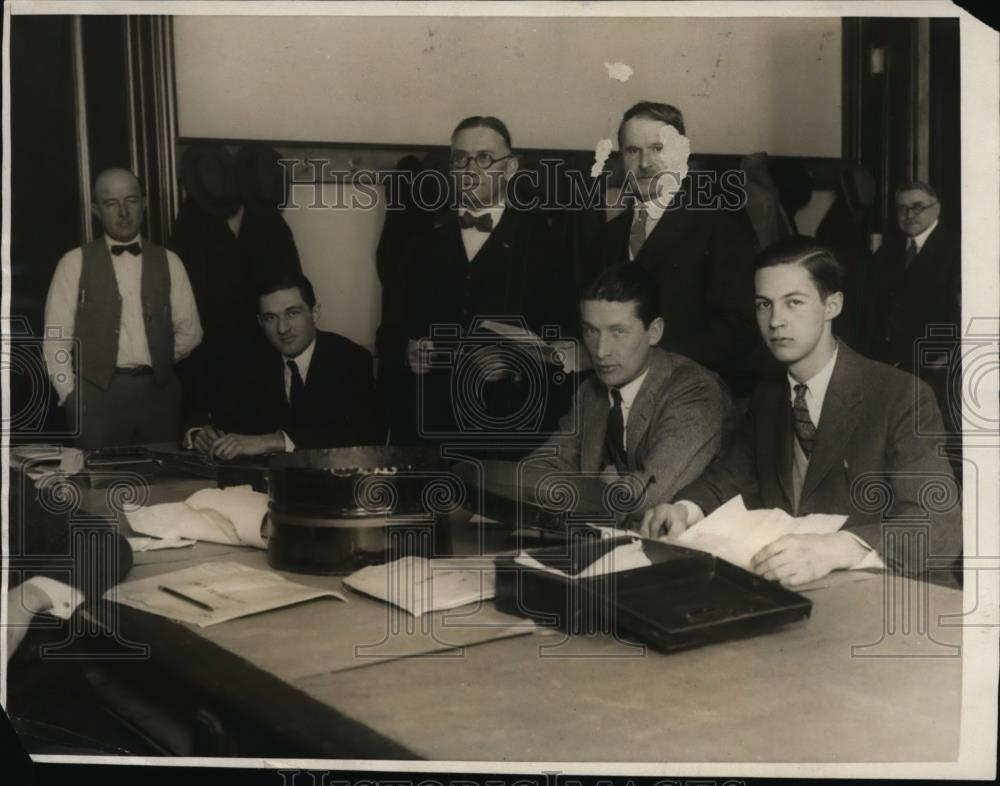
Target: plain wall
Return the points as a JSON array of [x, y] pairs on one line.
[[743, 84], [337, 247]]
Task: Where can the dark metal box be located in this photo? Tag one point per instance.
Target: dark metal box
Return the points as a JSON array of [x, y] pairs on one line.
[[686, 598]]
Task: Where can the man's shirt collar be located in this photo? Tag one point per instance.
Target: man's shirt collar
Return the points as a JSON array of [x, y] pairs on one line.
[[630, 390], [920, 239]]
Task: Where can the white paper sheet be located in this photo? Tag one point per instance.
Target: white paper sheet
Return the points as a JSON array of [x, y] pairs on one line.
[[419, 585], [736, 534], [628, 556], [229, 589]]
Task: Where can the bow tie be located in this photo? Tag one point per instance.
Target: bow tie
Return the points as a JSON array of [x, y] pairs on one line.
[[483, 223], [132, 248]]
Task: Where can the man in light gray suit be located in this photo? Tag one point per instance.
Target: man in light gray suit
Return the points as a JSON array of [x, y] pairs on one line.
[[654, 415]]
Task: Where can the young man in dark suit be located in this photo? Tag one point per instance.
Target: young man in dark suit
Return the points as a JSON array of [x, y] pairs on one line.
[[651, 414], [699, 255], [842, 435], [318, 392]]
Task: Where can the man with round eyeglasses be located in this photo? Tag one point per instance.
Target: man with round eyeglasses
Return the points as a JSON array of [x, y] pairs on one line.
[[918, 292], [488, 256]]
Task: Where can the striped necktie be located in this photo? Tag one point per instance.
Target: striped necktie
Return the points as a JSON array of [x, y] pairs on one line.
[[805, 431]]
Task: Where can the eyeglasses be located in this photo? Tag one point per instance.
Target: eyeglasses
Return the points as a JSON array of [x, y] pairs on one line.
[[289, 314], [916, 209], [484, 160]]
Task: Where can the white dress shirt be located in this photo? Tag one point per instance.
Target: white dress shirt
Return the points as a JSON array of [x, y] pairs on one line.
[[472, 238], [919, 240], [628, 393], [133, 348], [64, 598], [303, 361], [817, 386]]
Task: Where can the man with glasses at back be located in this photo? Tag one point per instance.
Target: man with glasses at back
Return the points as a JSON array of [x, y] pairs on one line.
[[486, 256], [918, 278]]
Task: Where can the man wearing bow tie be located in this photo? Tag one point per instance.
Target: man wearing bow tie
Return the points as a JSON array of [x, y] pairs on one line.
[[487, 257], [125, 305]]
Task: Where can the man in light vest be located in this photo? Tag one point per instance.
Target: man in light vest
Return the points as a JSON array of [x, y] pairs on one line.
[[119, 314]]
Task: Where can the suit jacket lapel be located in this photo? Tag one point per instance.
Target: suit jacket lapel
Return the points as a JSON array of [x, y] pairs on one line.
[[783, 447], [835, 424], [447, 222], [665, 235], [776, 449], [644, 404], [595, 422]]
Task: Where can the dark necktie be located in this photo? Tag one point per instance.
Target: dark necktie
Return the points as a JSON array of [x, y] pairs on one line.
[[911, 253], [637, 232], [614, 436], [132, 248], [805, 431], [297, 387], [483, 223]]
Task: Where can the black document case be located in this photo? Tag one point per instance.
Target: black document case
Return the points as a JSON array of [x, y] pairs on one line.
[[686, 598]]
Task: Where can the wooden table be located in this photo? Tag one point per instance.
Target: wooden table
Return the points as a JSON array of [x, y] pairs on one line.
[[861, 680]]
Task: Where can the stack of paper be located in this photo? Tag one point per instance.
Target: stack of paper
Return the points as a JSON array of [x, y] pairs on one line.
[[736, 534]]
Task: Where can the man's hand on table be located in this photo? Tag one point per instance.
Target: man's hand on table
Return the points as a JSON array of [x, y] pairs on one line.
[[229, 446], [799, 559], [665, 520], [203, 438]]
